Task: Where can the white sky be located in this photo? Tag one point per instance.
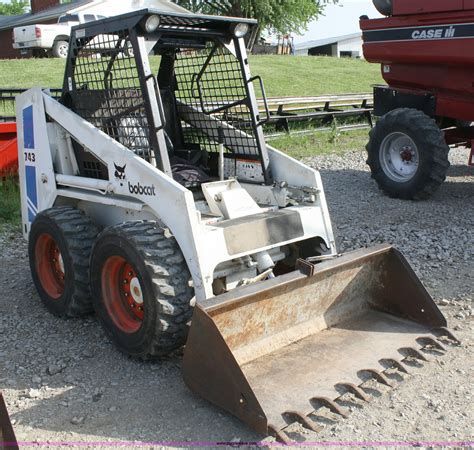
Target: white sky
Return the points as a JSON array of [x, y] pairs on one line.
[[339, 20]]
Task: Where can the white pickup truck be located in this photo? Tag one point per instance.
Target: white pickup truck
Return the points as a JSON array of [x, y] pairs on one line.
[[52, 39]]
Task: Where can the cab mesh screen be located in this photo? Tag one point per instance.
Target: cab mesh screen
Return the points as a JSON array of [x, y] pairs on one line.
[[106, 90], [211, 95]]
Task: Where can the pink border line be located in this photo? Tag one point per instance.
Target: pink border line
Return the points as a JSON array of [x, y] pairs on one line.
[[237, 444]]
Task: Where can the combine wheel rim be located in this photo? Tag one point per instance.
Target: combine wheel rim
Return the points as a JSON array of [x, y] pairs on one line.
[[399, 157], [122, 294], [49, 266]]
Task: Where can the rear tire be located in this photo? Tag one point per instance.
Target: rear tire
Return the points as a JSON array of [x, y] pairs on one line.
[[408, 154], [60, 49], [59, 246], [141, 289]]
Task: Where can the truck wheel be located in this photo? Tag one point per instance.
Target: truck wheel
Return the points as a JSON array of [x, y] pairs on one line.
[[59, 247], [141, 289], [408, 154], [60, 49]]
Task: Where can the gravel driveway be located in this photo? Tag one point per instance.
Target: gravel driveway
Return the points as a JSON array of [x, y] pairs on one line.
[[64, 382]]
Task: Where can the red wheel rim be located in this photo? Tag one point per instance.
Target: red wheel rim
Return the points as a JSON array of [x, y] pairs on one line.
[[122, 294], [49, 266]]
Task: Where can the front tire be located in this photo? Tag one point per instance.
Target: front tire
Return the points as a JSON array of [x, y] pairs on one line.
[[407, 154], [141, 289], [59, 246]]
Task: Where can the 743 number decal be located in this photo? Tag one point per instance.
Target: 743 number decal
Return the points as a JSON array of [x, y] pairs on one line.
[[30, 157]]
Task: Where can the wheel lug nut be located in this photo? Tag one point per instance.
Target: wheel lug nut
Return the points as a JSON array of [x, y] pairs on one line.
[[130, 274], [140, 308], [126, 294], [125, 281]]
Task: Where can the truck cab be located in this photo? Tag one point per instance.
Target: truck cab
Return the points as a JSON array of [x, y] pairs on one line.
[[50, 39]]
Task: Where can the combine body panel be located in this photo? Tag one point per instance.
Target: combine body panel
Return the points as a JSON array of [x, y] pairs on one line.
[[426, 52], [154, 199], [8, 149], [430, 52]]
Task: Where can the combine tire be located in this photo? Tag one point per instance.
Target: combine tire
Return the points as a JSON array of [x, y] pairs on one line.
[[60, 49], [141, 289], [408, 154], [59, 247]]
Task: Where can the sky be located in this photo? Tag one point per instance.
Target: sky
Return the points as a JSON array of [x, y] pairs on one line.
[[339, 20]]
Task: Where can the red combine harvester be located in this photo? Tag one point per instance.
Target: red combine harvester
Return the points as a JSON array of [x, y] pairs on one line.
[[426, 49], [8, 149]]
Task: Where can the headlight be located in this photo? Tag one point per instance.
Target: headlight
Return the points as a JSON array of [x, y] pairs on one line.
[[152, 23], [241, 29]]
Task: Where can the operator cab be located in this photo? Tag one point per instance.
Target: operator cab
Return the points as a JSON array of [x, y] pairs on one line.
[[195, 117]]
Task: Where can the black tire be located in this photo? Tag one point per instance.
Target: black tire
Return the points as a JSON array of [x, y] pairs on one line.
[[384, 7], [62, 286], [60, 49], [156, 322], [432, 154]]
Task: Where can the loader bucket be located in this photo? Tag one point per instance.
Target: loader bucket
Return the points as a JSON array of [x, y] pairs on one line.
[[277, 349]]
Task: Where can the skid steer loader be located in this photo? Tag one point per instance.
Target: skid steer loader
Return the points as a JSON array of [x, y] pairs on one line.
[[153, 198]]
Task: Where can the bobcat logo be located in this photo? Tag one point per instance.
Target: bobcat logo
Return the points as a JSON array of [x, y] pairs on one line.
[[120, 172]]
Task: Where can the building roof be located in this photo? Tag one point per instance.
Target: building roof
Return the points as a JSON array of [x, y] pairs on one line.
[[8, 22], [8, 19], [328, 41]]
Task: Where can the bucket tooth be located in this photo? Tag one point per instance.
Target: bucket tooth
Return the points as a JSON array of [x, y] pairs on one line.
[[414, 353], [427, 341], [395, 364], [304, 420], [356, 391], [279, 435], [331, 405], [378, 376], [447, 334]]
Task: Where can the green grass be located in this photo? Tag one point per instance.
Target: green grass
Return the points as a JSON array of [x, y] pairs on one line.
[[283, 75], [9, 202], [321, 142]]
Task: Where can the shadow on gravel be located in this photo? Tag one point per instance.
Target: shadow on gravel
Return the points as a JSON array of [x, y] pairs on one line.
[[461, 171]]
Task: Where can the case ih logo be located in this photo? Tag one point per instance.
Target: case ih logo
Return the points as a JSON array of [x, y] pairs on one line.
[[434, 33], [141, 190]]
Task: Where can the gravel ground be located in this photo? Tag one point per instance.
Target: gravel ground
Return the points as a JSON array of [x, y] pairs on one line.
[[64, 382]]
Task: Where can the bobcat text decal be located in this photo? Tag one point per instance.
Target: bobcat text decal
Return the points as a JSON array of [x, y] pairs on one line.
[[141, 190]]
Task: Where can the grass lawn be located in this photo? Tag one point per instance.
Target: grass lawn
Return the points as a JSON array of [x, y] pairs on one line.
[[9, 202], [283, 75]]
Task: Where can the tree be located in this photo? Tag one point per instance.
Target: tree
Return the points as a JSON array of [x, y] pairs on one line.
[[14, 8], [280, 16]]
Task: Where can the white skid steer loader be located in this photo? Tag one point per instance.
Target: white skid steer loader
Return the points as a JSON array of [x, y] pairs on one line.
[[153, 198]]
